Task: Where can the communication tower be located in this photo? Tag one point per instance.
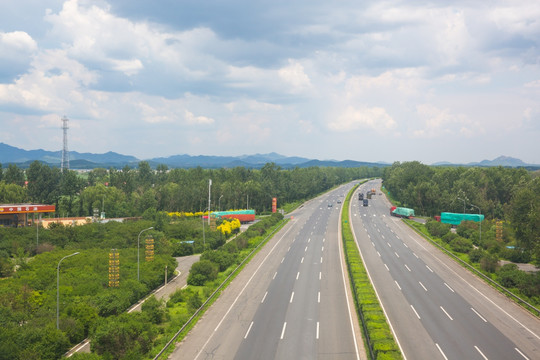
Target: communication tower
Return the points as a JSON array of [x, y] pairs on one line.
[[65, 152]]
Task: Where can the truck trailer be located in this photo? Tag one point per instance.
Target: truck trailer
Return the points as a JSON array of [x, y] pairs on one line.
[[457, 218], [402, 212]]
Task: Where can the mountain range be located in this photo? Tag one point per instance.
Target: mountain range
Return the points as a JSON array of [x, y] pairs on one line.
[[23, 158]]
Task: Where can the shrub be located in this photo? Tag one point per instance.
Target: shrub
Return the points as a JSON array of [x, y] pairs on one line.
[[449, 237], [489, 262], [475, 255], [202, 271], [437, 229], [461, 245]]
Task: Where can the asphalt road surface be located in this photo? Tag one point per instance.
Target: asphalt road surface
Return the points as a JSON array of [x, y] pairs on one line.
[[290, 301], [437, 309]]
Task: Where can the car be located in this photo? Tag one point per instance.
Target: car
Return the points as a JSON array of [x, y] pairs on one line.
[[339, 201], [329, 204]]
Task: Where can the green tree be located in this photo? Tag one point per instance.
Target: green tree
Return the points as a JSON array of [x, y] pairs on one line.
[[525, 216], [14, 175]]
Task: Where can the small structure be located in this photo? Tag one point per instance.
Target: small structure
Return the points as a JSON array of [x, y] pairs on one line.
[[16, 215], [243, 215]]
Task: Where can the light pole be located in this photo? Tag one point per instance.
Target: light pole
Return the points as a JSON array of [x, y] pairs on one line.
[[219, 203], [209, 187], [58, 290], [203, 235], [463, 204], [480, 222], [138, 246]]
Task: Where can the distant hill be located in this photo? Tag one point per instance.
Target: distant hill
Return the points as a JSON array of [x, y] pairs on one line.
[[11, 154], [505, 161]]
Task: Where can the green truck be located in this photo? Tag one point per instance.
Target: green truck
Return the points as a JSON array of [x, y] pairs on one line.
[[457, 218], [402, 212]]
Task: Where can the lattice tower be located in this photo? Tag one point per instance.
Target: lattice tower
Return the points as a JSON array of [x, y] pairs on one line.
[[65, 152]]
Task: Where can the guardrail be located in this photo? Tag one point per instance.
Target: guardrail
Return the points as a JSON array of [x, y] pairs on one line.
[[532, 309], [222, 285]]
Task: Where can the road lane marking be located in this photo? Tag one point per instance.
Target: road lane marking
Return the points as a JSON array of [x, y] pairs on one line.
[[248, 330], [317, 330], [321, 259], [388, 244], [292, 297], [264, 297], [481, 353], [273, 277], [282, 259], [522, 354], [382, 236], [283, 330], [407, 267], [319, 297], [413, 309], [386, 267], [396, 254], [305, 249], [480, 316], [320, 275], [308, 240], [405, 245], [288, 249], [378, 253], [297, 275], [440, 350], [448, 286], [444, 311], [302, 261], [322, 248], [429, 268], [416, 255], [372, 243], [422, 285], [399, 287]]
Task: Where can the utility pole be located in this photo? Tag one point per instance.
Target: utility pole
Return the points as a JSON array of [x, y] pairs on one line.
[[209, 187]]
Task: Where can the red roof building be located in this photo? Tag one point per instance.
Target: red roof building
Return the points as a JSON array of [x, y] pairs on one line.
[[23, 214]]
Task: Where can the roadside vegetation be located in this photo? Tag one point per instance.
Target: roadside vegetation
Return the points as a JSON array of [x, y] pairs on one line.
[[510, 234], [88, 307], [378, 337]]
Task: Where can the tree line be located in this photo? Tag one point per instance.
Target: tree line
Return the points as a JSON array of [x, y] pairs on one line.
[[511, 195], [134, 191]]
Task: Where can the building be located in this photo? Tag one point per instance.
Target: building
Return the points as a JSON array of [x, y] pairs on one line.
[[16, 215]]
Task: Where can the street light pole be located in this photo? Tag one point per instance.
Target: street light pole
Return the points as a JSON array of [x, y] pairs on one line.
[[138, 246], [58, 290], [480, 222], [203, 235], [209, 187], [463, 204], [219, 203]]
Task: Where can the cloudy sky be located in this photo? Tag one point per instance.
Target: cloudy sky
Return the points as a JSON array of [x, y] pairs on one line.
[[375, 80]]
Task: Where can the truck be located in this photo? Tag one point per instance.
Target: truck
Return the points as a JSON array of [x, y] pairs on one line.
[[457, 218], [401, 212], [243, 216], [365, 202]]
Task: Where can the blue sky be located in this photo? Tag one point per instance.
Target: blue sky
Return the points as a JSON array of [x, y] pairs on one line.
[[387, 81]]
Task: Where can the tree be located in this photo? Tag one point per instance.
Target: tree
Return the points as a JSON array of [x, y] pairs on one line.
[[14, 175], [70, 186], [525, 216], [43, 183]]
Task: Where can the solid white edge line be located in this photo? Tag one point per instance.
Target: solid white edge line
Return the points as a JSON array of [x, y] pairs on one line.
[[522, 354], [374, 288], [248, 330], [242, 291]]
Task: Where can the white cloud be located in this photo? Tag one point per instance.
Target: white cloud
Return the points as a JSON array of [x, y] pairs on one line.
[[16, 43], [294, 75], [441, 122], [374, 118], [198, 120]]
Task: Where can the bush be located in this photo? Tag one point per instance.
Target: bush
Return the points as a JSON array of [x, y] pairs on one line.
[[202, 271], [222, 258], [449, 237], [475, 255], [461, 245], [437, 229], [182, 249], [489, 262]]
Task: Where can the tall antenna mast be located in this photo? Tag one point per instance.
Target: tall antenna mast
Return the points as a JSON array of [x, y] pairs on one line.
[[65, 152]]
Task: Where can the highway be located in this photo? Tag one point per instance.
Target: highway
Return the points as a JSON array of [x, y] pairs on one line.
[[290, 301], [436, 308]]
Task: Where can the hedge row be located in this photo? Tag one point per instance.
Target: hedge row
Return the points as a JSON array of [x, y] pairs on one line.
[[379, 338]]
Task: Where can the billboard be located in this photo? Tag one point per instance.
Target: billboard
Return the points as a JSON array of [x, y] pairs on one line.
[[274, 205]]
